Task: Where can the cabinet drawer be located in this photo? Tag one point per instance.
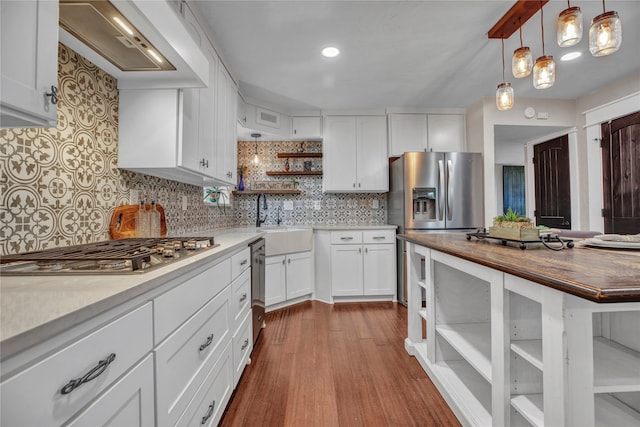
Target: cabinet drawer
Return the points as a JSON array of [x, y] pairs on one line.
[[242, 345], [346, 237], [34, 396], [129, 402], [212, 397], [379, 236], [240, 262], [182, 358], [172, 308], [241, 301]]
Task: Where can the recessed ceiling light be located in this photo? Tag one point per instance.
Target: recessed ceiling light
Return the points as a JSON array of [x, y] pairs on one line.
[[570, 56], [330, 52]]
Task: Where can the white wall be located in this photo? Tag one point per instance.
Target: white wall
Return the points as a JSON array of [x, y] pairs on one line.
[[483, 116]]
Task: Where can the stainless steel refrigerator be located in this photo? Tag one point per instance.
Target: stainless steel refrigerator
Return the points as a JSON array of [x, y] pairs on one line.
[[434, 191]]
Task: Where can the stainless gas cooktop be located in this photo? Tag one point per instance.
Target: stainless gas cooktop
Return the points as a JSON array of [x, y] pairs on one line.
[[121, 256]]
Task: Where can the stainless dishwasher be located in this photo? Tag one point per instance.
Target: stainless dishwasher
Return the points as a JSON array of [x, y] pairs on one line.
[[257, 286]]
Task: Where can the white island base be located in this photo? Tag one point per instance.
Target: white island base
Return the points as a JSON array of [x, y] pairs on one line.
[[505, 351]]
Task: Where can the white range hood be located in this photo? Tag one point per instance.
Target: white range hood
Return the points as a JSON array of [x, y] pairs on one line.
[[164, 29]]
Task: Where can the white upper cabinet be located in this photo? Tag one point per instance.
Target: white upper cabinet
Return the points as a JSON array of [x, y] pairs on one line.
[[426, 132], [306, 127], [226, 135], [447, 132], [355, 154], [28, 63], [407, 132]]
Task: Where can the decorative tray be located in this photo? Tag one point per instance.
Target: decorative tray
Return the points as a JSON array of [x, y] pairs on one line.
[[614, 241], [549, 240]]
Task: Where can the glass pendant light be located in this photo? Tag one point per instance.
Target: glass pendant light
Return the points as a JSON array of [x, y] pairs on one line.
[[569, 26], [504, 94], [522, 60], [605, 34], [544, 70], [256, 159]]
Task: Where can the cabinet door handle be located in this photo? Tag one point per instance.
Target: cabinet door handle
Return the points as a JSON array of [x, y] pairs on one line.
[[354, 185], [283, 262], [243, 297], [91, 375], [245, 344], [289, 260], [204, 163], [53, 95], [346, 238], [229, 174], [366, 250], [209, 413], [207, 342], [243, 262], [359, 250]]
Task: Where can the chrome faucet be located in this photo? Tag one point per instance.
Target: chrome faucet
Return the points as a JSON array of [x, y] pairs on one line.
[[258, 220]]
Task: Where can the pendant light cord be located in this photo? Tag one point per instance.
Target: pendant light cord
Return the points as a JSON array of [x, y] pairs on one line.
[[502, 59], [520, 27], [603, 8], [542, 25]]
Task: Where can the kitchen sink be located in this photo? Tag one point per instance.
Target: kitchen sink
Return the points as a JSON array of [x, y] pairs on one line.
[[284, 240]]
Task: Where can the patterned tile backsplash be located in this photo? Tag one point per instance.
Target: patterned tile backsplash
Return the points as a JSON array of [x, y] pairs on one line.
[[333, 209], [59, 186]]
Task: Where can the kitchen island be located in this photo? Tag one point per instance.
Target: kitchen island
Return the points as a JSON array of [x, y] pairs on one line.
[[526, 337]]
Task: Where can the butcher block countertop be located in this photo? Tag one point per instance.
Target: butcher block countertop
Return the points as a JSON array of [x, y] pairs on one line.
[[599, 275]]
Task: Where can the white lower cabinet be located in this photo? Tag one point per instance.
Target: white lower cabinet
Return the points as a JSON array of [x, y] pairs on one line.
[[129, 402], [287, 277], [169, 357], [55, 389], [363, 263]]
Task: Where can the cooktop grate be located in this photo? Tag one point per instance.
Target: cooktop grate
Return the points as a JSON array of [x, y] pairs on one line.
[[135, 250]]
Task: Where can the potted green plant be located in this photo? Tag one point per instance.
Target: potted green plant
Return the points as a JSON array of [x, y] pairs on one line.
[[213, 195], [514, 226]]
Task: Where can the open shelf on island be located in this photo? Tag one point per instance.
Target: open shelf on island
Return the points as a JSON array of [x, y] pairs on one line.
[[298, 155], [248, 192], [615, 367], [611, 412], [294, 173], [530, 407], [473, 342], [529, 350]]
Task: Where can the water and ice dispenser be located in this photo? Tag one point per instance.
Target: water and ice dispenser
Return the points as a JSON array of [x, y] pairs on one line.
[[425, 204]]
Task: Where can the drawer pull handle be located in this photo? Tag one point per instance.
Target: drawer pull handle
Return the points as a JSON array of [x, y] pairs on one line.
[[207, 343], [378, 237], [243, 262], [346, 238], [89, 376], [245, 344], [209, 413], [243, 297]]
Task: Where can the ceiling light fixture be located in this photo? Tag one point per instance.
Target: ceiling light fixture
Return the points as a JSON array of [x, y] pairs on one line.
[[330, 52], [605, 34], [544, 70], [522, 60], [256, 159], [504, 94], [569, 26]]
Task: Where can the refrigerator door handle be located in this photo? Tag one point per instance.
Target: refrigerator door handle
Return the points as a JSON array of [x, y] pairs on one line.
[[450, 190], [440, 189]]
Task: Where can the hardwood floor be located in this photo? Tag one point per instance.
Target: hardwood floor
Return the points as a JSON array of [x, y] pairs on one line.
[[317, 364]]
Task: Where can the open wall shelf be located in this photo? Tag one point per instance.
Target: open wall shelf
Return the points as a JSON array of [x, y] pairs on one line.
[[298, 155], [238, 193], [271, 173]]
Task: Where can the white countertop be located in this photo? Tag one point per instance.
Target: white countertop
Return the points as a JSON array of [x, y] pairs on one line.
[[35, 308]]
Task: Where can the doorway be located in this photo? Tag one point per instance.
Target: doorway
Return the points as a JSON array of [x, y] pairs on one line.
[[621, 174], [552, 183], [513, 189]]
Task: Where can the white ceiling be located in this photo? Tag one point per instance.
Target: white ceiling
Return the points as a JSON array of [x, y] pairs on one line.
[[430, 53]]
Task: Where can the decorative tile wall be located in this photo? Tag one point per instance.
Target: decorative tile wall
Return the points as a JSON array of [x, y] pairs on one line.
[[59, 186], [334, 209]]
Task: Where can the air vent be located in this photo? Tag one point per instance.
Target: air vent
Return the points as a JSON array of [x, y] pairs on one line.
[[99, 25], [267, 118]]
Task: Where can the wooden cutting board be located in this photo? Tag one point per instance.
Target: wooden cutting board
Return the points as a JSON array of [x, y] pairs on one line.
[[123, 221]]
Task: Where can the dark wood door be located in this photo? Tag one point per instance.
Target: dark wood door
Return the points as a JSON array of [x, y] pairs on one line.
[[552, 186], [621, 174]]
